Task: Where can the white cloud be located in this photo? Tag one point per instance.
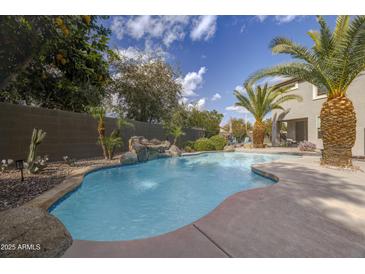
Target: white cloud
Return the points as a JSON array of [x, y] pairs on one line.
[[191, 82], [279, 19], [131, 53], [285, 18], [272, 80], [239, 88], [261, 18], [199, 105], [183, 101], [167, 28], [117, 26], [204, 27], [150, 51], [237, 109], [216, 97]]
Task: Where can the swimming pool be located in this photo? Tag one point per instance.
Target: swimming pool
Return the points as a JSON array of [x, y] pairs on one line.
[[152, 198]]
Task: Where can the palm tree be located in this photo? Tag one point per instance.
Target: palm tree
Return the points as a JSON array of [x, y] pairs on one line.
[[333, 62], [177, 131], [98, 113], [260, 102]]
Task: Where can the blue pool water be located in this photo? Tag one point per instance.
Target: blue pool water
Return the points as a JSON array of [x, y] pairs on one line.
[[149, 199]]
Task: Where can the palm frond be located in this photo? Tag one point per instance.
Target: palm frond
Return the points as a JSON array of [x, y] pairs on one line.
[[264, 99], [333, 62]]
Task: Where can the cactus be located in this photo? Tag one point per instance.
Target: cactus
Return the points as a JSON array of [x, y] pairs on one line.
[[37, 137]]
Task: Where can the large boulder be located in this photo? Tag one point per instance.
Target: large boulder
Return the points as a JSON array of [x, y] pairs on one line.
[[32, 232], [141, 151], [134, 140], [155, 141], [154, 151], [129, 158], [165, 144], [174, 151]]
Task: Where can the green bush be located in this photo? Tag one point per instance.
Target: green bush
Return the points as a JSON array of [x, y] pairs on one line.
[[188, 149], [218, 142], [203, 144]]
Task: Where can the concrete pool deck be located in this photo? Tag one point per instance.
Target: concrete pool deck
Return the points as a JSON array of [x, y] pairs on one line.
[[312, 211]]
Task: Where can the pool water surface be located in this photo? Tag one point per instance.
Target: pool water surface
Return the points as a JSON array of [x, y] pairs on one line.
[[152, 198]]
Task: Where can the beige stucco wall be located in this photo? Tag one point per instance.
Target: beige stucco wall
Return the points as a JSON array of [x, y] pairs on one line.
[[310, 108]]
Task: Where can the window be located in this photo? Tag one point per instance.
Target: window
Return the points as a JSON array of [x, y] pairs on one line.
[[293, 86], [319, 92], [318, 125]]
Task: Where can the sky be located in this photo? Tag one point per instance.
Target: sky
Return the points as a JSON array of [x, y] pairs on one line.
[[214, 54]]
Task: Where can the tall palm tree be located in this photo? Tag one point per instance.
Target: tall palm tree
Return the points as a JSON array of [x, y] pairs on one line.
[[260, 102], [335, 60]]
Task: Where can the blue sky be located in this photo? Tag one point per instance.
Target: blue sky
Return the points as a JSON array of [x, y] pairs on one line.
[[214, 54]]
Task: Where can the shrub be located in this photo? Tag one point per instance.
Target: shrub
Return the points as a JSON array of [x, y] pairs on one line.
[[5, 165], [203, 144], [188, 149], [69, 161], [218, 142], [306, 146]]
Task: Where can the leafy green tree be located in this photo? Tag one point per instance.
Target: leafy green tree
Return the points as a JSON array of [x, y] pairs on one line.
[[53, 61], [174, 125], [240, 128], [208, 120], [260, 102], [147, 89], [336, 58]]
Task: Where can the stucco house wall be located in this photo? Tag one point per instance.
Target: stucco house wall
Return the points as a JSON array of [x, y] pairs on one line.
[[310, 108]]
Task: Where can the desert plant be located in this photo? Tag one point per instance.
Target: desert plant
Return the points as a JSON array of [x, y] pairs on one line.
[[98, 113], [203, 144], [112, 142], [37, 137], [218, 142], [6, 165], [261, 102], [176, 132], [39, 164], [306, 146], [69, 161], [335, 60]]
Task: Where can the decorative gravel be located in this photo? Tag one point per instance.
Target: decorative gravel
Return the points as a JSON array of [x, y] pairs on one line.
[[14, 192]]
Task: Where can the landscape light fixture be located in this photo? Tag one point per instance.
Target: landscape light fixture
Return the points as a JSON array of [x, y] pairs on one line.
[[20, 165]]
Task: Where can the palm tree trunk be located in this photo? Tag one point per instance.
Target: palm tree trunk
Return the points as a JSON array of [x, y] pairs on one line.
[[338, 126], [101, 131], [258, 134]]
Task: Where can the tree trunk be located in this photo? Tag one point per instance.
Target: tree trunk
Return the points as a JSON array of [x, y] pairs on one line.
[[338, 126], [101, 131], [258, 134]]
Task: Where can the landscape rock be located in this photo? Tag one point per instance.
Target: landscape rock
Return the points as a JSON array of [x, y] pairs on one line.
[[134, 140], [155, 141], [129, 158], [229, 148], [141, 151], [166, 144], [174, 151], [32, 232]]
